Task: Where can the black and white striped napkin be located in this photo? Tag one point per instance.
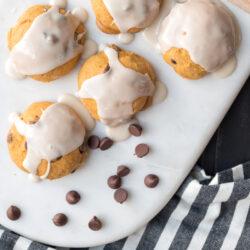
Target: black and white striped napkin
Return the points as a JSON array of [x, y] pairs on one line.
[[206, 213]]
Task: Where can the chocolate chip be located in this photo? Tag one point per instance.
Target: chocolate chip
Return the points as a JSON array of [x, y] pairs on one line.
[[26, 145], [123, 171], [10, 138], [115, 47], [81, 148], [114, 181], [13, 213], [32, 122], [93, 142], [151, 180], [141, 150], [60, 219], [121, 195], [105, 143], [95, 224], [135, 130], [173, 61], [100, 23], [107, 68], [73, 171], [73, 197]]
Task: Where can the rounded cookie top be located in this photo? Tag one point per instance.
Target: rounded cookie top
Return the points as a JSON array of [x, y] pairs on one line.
[[16, 34], [190, 43], [18, 147], [99, 64], [114, 16]]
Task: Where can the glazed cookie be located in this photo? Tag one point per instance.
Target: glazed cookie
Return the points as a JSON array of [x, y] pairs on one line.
[[116, 84], [47, 140], [60, 43], [119, 16], [194, 48]]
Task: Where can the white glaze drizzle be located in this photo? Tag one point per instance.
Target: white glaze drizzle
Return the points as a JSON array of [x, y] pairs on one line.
[[90, 48], [102, 46], [34, 178], [116, 90], [132, 14], [160, 93], [227, 69], [12, 72], [125, 38], [48, 44], [204, 29], [76, 104], [58, 132], [150, 34], [81, 14], [59, 3], [121, 132]]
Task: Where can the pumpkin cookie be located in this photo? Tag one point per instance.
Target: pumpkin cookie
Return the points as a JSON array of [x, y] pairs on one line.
[[43, 130], [115, 95], [23, 27], [197, 38], [114, 16]]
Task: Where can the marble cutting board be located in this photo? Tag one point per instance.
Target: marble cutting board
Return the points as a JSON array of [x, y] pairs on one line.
[[176, 130]]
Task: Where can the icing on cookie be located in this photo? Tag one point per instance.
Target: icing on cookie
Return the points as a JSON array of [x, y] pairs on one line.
[[49, 43], [58, 132], [160, 93], [81, 14], [59, 3], [129, 14], [125, 38], [90, 48], [120, 133], [115, 90], [204, 29], [75, 103]]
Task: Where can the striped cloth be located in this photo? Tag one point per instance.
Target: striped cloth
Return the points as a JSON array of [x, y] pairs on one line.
[[206, 213]]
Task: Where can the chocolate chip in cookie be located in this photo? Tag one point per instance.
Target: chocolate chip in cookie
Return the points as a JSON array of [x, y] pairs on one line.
[[10, 138]]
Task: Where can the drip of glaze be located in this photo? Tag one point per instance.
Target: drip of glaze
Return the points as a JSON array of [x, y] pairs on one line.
[[34, 178], [115, 90], [102, 46], [90, 48], [58, 132], [150, 34], [129, 14], [81, 14], [125, 38], [160, 93], [75, 103], [59, 3], [12, 72], [48, 44], [227, 69], [121, 132]]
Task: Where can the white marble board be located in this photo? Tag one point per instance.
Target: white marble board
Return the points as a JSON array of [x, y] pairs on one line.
[[176, 130]]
